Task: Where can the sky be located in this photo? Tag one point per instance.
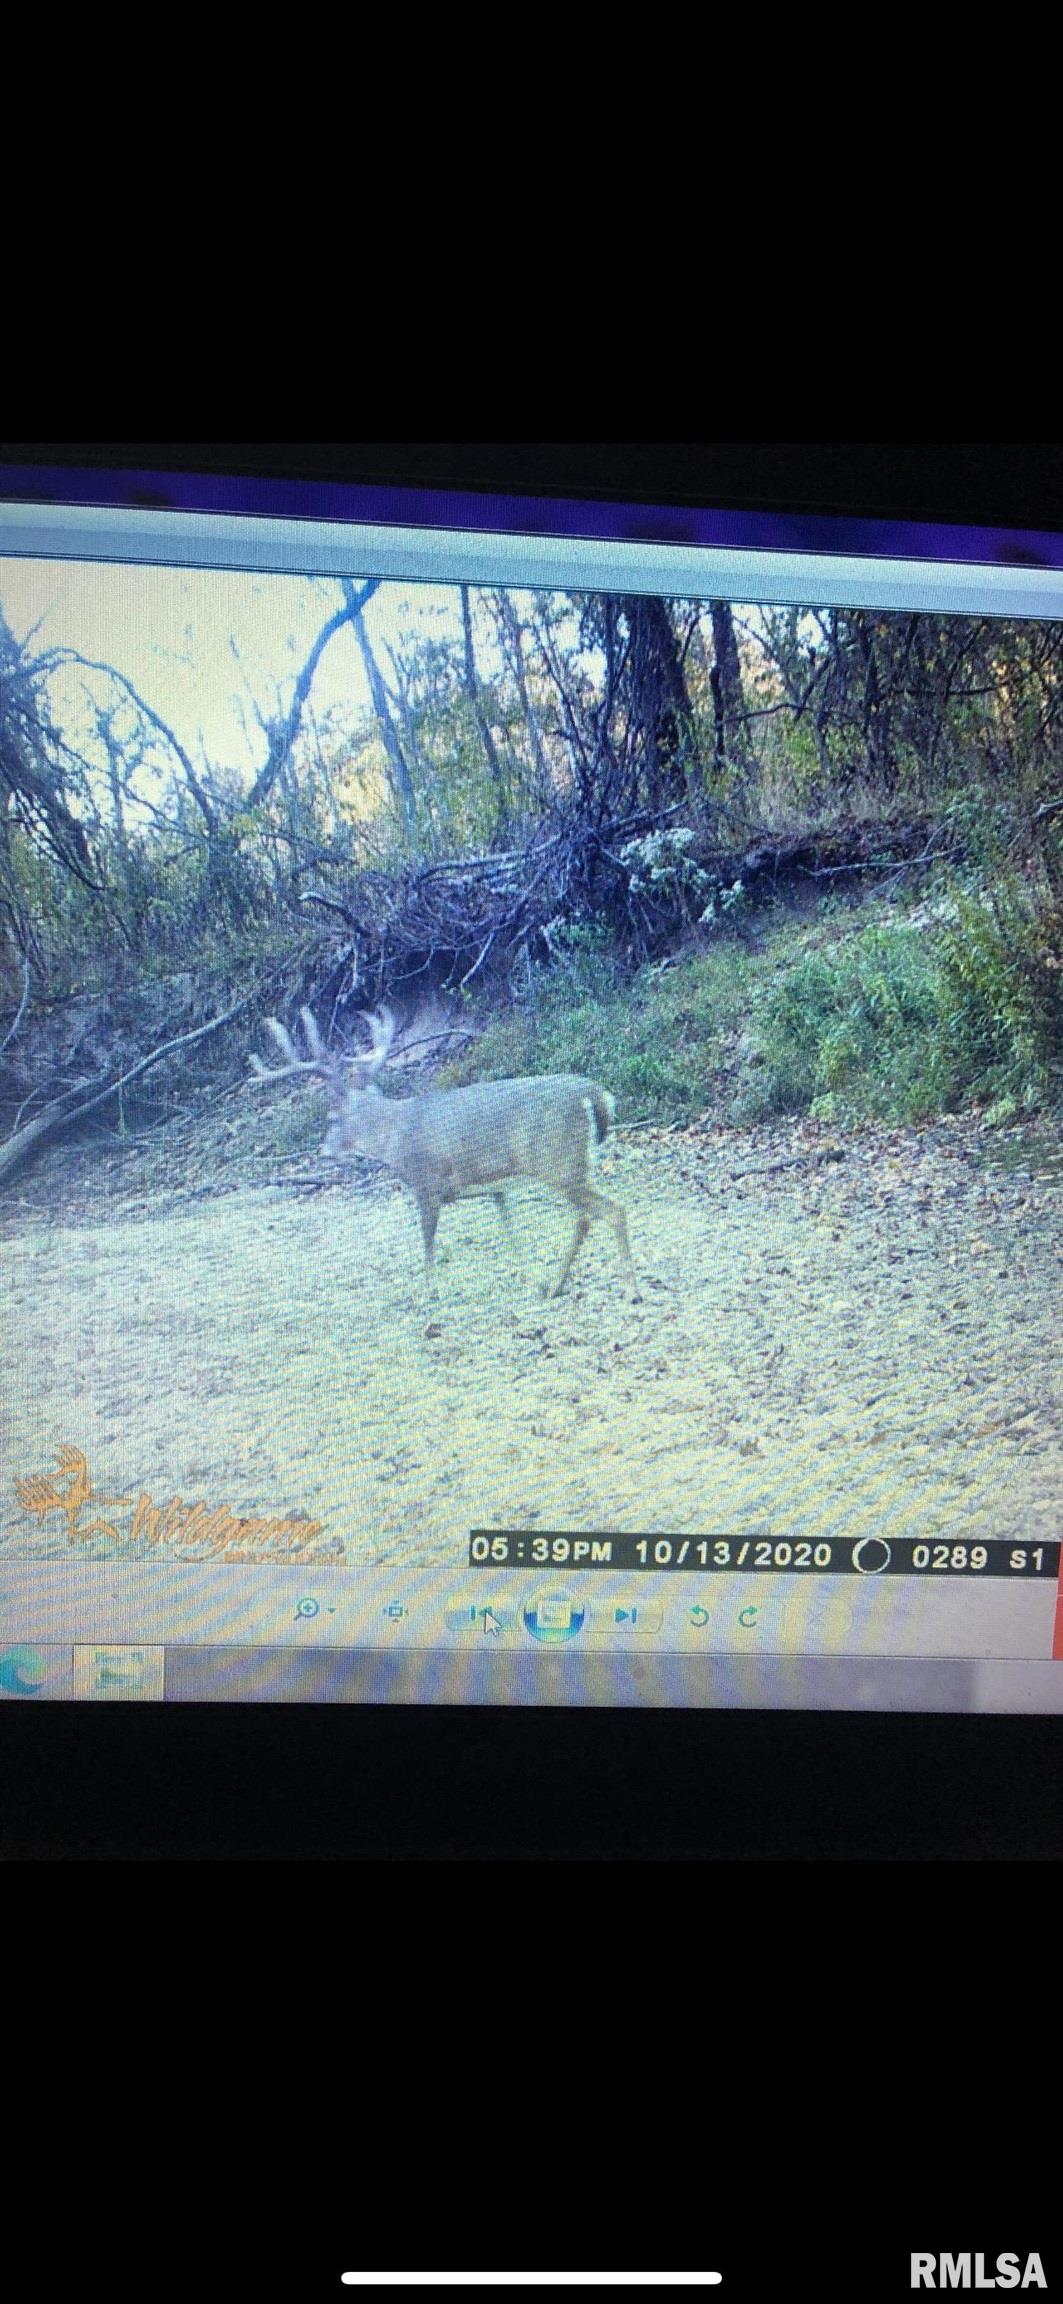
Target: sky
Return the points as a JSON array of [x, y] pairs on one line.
[[172, 632], [205, 647]]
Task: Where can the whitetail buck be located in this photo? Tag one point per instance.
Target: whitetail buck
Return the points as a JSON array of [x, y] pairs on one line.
[[462, 1143]]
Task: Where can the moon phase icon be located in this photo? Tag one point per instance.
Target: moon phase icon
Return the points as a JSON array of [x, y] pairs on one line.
[[871, 1555]]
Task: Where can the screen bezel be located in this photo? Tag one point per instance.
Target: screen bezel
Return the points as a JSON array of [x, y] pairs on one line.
[[390, 1781]]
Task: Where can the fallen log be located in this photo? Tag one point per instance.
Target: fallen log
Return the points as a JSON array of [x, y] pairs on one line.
[[74, 1105]]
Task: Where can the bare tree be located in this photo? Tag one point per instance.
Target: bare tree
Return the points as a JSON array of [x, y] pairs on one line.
[[403, 781], [283, 732], [474, 692], [511, 635], [30, 773]]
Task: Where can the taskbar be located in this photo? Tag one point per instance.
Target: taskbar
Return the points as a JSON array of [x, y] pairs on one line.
[[236, 1673]]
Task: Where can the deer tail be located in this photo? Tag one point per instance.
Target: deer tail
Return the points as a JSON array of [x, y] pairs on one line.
[[602, 1109]]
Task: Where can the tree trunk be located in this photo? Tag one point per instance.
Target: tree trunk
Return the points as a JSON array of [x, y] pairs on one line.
[[876, 713], [283, 732], [514, 631], [475, 695], [407, 797], [660, 706], [731, 741]]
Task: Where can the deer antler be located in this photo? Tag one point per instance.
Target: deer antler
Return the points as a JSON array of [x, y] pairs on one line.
[[381, 1035], [319, 1063]]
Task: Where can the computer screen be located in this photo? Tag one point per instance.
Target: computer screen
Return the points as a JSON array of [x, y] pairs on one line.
[[530, 1064]]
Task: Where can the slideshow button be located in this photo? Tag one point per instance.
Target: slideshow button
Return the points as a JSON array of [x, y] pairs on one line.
[[554, 1615]]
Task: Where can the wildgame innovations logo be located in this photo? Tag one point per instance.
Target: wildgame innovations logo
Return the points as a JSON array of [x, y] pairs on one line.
[[967, 2270], [188, 1530]]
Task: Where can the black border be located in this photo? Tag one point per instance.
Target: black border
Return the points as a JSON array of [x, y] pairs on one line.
[[252, 1782], [1013, 484], [385, 1782]]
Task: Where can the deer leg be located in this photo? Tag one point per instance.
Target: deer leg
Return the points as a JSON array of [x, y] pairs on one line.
[[583, 1225], [428, 1211], [506, 1221], [595, 1207], [614, 1215]]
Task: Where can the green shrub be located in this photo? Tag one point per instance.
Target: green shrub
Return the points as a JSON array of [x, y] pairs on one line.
[[654, 1043], [585, 962], [868, 1017], [1002, 978], [853, 1030]]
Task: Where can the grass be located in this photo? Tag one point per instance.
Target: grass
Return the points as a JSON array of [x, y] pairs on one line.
[[657, 1042], [851, 1030], [857, 1015]]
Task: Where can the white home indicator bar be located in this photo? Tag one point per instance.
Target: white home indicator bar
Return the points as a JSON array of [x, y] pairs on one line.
[[532, 2279]]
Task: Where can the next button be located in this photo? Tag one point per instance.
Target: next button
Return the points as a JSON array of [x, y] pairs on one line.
[[637, 1616]]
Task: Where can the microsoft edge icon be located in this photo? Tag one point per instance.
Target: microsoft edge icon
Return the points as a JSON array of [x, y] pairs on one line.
[[21, 1672]]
